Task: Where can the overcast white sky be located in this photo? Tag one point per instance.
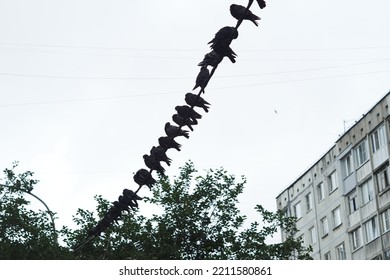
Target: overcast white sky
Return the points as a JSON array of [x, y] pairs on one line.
[[87, 86]]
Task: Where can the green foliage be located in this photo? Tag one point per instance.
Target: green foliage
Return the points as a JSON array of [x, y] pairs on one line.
[[24, 233], [199, 220]]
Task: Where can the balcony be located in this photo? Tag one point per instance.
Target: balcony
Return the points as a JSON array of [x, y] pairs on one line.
[[368, 209], [363, 171], [354, 218], [380, 156], [384, 198], [373, 248], [359, 254], [349, 183], [386, 239]]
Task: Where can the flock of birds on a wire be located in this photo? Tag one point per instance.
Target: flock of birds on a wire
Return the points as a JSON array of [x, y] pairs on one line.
[[185, 116]]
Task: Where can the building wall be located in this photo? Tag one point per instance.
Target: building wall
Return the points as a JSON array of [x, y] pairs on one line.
[[342, 202]]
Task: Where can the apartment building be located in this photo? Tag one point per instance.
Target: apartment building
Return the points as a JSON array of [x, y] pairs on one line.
[[342, 202]]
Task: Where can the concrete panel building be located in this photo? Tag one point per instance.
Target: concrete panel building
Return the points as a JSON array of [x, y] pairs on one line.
[[342, 202]]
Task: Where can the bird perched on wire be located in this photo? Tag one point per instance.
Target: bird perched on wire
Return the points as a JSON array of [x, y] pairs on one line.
[[173, 131], [241, 13], [169, 143], [153, 163], [212, 58], [261, 3], [131, 198], [202, 79], [179, 120], [122, 204], [186, 111], [159, 153], [143, 177], [196, 101], [222, 40]]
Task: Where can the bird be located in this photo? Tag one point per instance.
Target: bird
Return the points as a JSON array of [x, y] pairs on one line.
[[173, 131], [153, 163], [222, 40], [169, 143], [202, 79], [96, 230], [159, 154], [143, 177], [212, 58], [131, 198], [186, 111], [131, 194], [196, 101], [261, 3], [123, 203], [225, 34], [241, 13], [179, 120]]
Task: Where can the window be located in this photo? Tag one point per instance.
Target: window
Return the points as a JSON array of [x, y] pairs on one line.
[[297, 210], [356, 238], [336, 214], [382, 178], [378, 139], [386, 220], [378, 257], [332, 178], [320, 192], [301, 239], [312, 236], [387, 255], [346, 164], [353, 202], [309, 204], [324, 226], [361, 153], [340, 251], [327, 256], [367, 190], [371, 229]]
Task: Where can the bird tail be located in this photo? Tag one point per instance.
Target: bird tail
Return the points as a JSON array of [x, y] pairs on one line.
[[185, 134]]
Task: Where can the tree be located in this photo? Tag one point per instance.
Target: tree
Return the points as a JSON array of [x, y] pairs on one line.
[[199, 220], [25, 233]]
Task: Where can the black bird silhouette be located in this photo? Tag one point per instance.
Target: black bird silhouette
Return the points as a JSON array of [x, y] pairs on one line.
[[123, 203], [212, 58], [169, 143], [179, 120], [261, 3], [159, 154], [196, 101], [202, 79], [222, 40], [188, 112], [153, 163], [131, 198], [173, 131], [143, 177], [240, 12]]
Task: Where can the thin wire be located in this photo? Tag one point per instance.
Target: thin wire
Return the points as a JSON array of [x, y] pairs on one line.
[[176, 92], [182, 78], [189, 50]]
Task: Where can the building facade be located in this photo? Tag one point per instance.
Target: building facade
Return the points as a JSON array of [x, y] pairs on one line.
[[342, 202]]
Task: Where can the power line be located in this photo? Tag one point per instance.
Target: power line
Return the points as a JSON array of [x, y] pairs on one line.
[[177, 92], [89, 78], [93, 47], [190, 50], [89, 99], [182, 78]]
